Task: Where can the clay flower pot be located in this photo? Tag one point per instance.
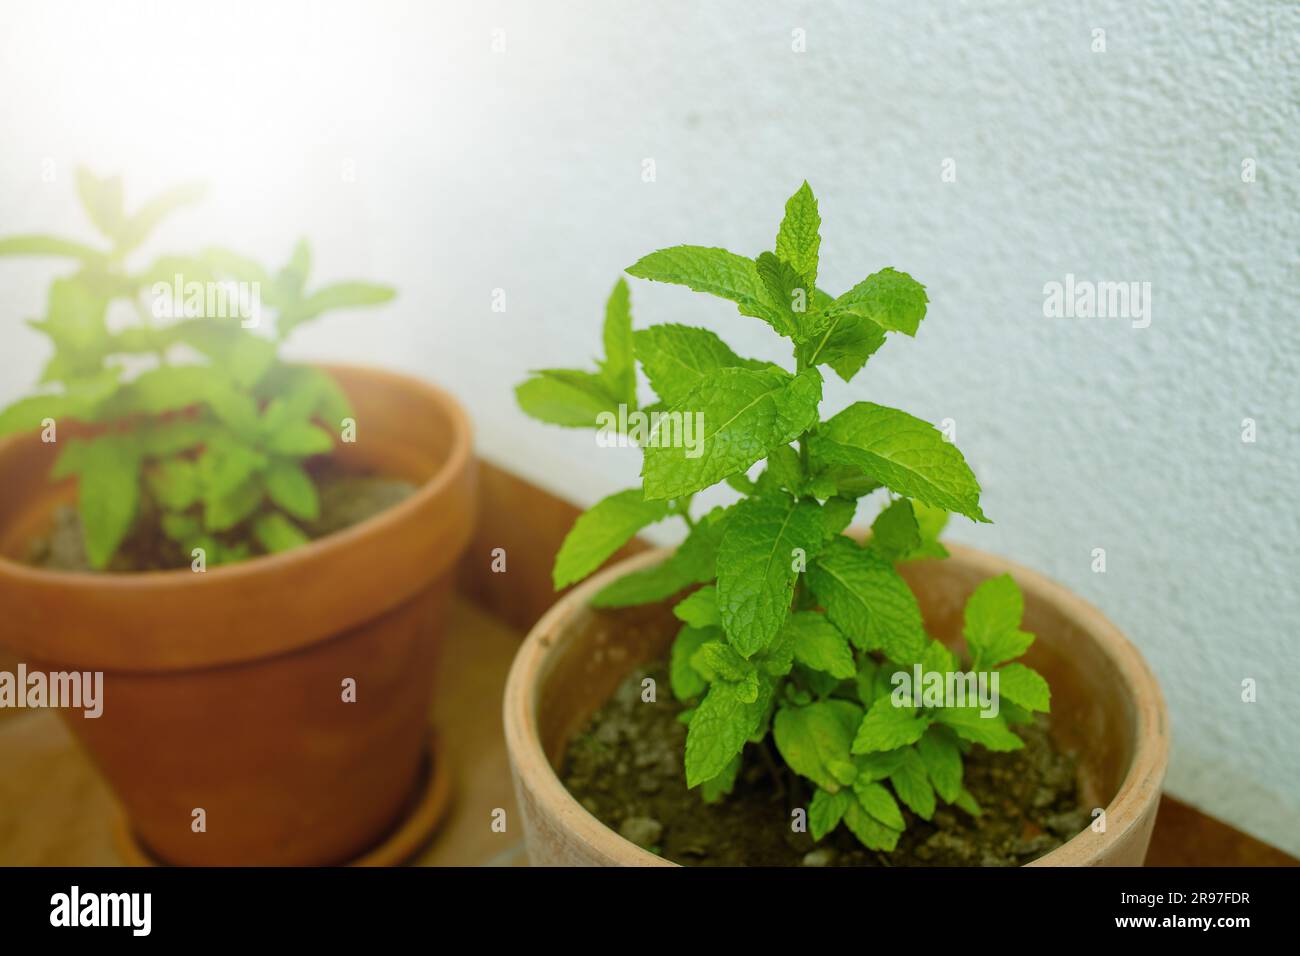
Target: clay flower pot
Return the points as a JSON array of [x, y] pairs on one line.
[[223, 690], [1106, 705]]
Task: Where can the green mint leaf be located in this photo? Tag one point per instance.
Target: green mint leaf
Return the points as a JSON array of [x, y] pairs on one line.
[[816, 643], [868, 601], [600, 531], [783, 471], [992, 622], [765, 542], [108, 494], [870, 832], [886, 727], [837, 515], [717, 272], [826, 810], [225, 465], [930, 523], [102, 200], [677, 357], [686, 681], [745, 413], [717, 733], [692, 563], [221, 512], [912, 784], [942, 758], [299, 440], [813, 738], [967, 802], [341, 295], [1024, 687], [891, 299], [700, 608], [175, 484], [970, 724], [799, 238], [715, 788], [788, 292], [895, 531], [291, 280], [289, 486], [910, 456], [878, 765], [567, 397], [49, 246], [879, 804], [717, 661], [619, 367], [844, 342], [276, 533], [76, 317]]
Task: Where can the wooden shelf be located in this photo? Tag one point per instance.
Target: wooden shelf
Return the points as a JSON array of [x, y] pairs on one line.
[[54, 809]]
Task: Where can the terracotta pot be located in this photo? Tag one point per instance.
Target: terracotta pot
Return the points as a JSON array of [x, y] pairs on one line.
[[223, 689], [1106, 705]]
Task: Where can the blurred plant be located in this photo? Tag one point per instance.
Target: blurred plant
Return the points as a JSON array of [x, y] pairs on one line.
[[798, 630], [212, 434]]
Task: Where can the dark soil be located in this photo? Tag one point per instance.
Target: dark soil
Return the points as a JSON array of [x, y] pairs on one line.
[[345, 499], [626, 768]]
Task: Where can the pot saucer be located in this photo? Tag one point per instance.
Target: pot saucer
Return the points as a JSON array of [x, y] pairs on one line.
[[424, 811]]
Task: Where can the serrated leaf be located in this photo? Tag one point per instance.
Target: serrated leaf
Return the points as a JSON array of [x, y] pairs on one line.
[[715, 788], [718, 730], [677, 357], [1025, 687], [970, 723], [717, 272], [746, 413], [686, 681], [868, 601], [886, 727], [912, 784], [787, 290], [878, 765], [942, 758], [567, 397], [838, 514], [619, 367], [870, 832], [930, 523], [910, 456], [967, 802], [879, 803], [844, 342], [826, 810], [816, 643], [992, 622], [108, 493], [600, 531], [290, 487], [810, 739], [895, 532], [892, 300], [276, 533], [799, 238], [699, 609], [692, 563], [756, 566]]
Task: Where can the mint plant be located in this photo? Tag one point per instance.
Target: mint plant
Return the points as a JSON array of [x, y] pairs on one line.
[[193, 425], [794, 630]]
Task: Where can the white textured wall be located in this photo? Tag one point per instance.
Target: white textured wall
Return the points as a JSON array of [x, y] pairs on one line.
[[522, 170]]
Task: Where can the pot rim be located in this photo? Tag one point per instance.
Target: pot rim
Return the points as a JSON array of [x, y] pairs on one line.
[[235, 615], [1125, 811], [268, 563]]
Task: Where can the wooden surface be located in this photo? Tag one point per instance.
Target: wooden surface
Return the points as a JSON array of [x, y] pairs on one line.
[[55, 810]]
